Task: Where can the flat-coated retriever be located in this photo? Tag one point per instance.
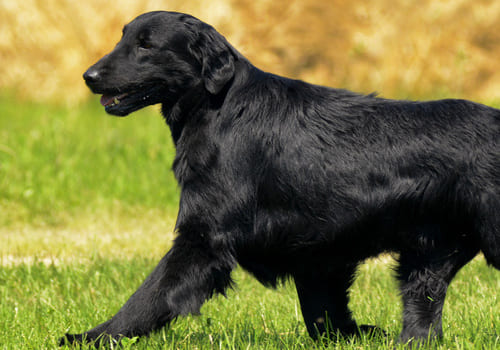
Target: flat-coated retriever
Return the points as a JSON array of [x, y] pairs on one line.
[[293, 180]]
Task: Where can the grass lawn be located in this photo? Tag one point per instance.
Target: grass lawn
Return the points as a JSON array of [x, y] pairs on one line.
[[39, 302], [87, 208]]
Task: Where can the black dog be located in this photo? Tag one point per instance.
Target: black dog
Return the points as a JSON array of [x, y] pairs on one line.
[[294, 180]]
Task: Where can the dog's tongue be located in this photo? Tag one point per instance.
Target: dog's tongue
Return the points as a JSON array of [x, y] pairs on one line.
[[107, 100]]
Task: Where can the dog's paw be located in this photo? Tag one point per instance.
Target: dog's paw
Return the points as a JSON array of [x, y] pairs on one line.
[[71, 339], [87, 338]]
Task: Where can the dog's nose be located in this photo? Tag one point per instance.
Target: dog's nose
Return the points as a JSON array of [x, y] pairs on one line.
[[91, 75]]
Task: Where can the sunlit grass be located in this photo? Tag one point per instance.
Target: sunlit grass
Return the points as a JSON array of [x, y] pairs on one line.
[[40, 302], [75, 179], [58, 165]]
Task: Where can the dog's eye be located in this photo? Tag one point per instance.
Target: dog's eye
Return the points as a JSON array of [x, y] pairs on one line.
[[145, 45]]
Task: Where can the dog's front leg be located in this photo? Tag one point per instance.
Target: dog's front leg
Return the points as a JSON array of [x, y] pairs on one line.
[[186, 276]]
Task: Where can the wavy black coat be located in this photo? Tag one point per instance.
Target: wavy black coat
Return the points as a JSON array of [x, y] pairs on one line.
[[293, 180]]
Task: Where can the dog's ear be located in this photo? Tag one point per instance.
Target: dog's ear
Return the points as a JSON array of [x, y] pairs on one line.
[[217, 70], [216, 58]]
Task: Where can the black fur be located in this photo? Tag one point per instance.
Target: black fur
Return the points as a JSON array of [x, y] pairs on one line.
[[290, 179]]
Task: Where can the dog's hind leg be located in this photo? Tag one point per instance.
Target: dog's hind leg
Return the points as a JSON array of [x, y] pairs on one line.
[[424, 280], [324, 301]]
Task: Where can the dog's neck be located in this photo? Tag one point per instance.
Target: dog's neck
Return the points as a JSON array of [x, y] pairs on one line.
[[190, 107], [198, 102], [176, 113]]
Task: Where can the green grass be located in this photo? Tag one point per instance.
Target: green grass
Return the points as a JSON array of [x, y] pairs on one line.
[[40, 302], [56, 164], [75, 179], [87, 208]]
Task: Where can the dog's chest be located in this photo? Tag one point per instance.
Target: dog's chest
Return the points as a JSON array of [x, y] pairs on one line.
[[196, 155]]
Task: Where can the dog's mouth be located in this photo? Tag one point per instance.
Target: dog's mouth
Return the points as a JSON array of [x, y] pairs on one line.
[[122, 104], [112, 101]]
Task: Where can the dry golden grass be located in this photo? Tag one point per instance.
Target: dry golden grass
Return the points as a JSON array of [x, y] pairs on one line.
[[411, 48], [149, 233]]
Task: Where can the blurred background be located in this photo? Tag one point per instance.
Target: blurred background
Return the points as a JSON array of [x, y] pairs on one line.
[[74, 182], [400, 49]]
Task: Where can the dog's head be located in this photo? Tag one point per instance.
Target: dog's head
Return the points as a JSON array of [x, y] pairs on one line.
[[160, 57]]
